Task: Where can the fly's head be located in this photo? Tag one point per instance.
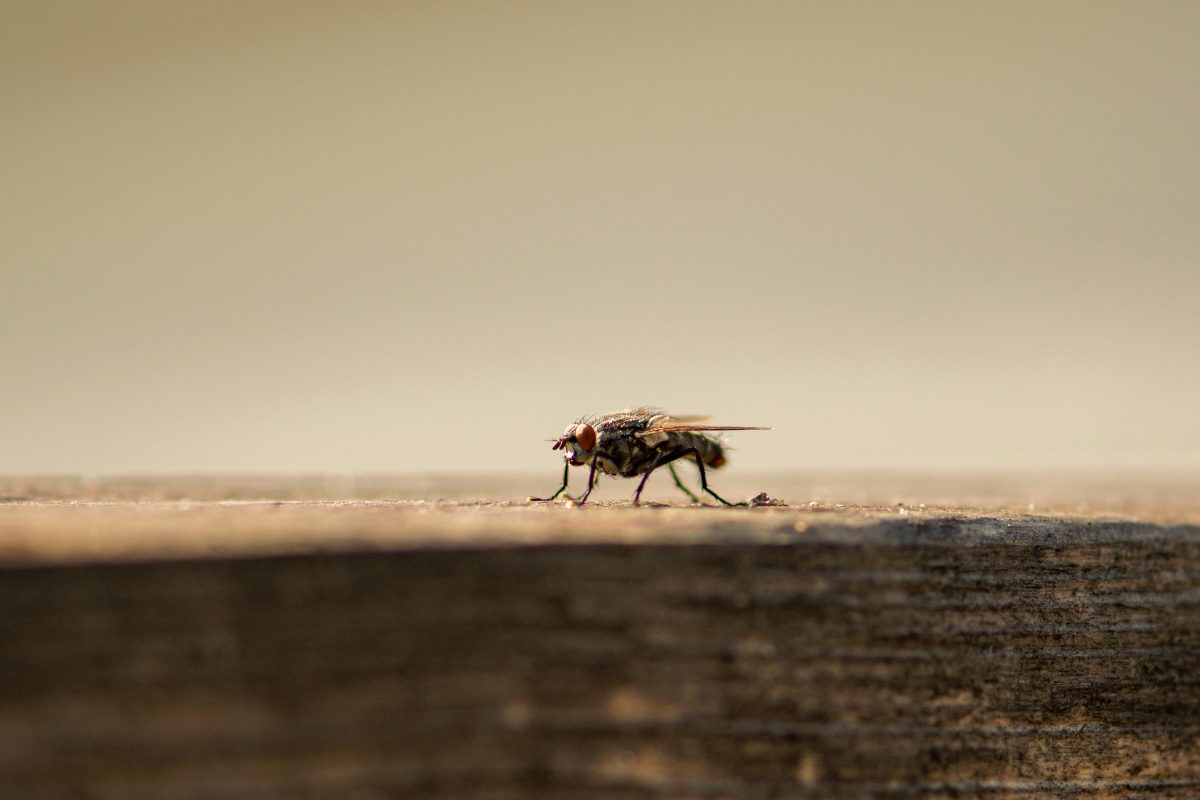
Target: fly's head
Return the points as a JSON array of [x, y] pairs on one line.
[[578, 443]]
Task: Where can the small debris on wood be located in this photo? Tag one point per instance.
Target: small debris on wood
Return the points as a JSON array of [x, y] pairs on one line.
[[764, 499]]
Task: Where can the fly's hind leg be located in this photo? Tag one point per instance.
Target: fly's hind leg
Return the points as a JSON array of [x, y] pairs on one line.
[[704, 482], [679, 483], [665, 459], [673, 457]]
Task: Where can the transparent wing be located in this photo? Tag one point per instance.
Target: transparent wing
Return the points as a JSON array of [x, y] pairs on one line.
[[681, 424], [689, 417]]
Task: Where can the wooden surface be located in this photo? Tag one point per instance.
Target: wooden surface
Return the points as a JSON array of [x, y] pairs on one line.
[[161, 647]]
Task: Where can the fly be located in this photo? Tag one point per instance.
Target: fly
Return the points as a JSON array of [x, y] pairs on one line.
[[638, 441]]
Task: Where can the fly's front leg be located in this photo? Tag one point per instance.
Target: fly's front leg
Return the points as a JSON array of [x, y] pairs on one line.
[[679, 483], [561, 489], [591, 483]]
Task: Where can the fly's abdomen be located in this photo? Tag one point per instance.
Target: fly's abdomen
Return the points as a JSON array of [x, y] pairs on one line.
[[712, 454]]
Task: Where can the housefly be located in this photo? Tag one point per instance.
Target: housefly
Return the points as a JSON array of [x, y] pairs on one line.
[[637, 441]]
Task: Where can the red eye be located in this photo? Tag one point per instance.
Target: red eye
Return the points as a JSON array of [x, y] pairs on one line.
[[586, 436]]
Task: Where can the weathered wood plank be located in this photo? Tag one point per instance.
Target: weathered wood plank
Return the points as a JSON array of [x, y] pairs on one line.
[[943, 657]]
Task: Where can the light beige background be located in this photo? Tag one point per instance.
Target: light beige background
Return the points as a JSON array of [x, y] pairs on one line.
[[295, 236]]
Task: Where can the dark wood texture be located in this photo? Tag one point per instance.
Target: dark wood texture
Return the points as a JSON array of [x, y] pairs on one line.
[[895, 658]]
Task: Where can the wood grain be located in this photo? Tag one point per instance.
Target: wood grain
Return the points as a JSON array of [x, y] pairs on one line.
[[687, 653]]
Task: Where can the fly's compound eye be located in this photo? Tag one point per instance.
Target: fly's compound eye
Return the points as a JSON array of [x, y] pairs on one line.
[[586, 436]]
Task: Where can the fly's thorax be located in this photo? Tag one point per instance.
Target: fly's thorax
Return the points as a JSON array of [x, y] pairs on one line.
[[621, 451]]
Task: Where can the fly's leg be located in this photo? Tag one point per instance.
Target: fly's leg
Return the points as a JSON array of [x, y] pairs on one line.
[[591, 483], [679, 483], [663, 458], [704, 482], [561, 489], [637, 494]]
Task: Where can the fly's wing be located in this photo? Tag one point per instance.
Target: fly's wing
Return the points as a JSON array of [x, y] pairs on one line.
[[650, 412], [685, 426], [681, 424]]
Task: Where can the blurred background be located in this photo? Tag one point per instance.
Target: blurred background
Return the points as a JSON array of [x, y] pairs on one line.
[[423, 237]]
